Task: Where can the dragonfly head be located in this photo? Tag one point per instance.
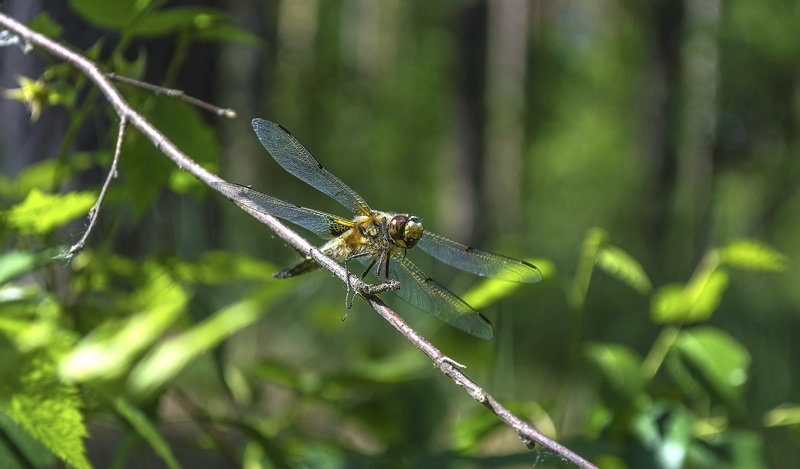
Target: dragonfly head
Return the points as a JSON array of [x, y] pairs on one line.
[[405, 230]]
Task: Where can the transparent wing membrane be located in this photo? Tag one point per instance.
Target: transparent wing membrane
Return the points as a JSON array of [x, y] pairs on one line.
[[321, 223], [294, 158], [478, 262], [433, 298]]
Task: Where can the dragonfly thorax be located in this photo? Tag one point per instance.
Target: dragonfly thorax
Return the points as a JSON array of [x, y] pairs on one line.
[[405, 230]]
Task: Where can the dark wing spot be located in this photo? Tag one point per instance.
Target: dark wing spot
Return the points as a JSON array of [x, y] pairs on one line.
[[468, 248], [284, 129], [336, 228], [428, 279]]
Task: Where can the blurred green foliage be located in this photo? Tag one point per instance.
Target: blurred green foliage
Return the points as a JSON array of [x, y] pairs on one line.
[[662, 336]]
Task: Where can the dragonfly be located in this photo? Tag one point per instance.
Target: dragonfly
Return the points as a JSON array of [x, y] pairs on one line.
[[377, 239]]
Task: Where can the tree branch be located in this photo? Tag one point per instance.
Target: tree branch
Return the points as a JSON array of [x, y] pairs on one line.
[[529, 435], [221, 112], [112, 173]]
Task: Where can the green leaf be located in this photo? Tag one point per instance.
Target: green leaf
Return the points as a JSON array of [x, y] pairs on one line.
[[732, 449], [134, 68], [621, 368], [110, 14], [229, 32], [13, 293], [11, 363], [108, 350], [43, 23], [716, 361], [49, 410], [39, 175], [170, 357], [144, 428], [670, 304], [176, 19], [47, 173], [16, 263], [786, 414], [150, 170], [752, 255], [679, 304], [39, 212], [34, 94], [30, 318], [666, 430], [619, 264], [595, 238], [490, 291], [32, 451]]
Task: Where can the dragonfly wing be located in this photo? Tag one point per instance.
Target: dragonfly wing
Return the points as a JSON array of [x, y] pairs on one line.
[[478, 262], [321, 223], [294, 157], [430, 296]]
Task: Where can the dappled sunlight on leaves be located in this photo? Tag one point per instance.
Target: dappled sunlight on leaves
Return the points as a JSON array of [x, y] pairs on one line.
[[621, 265], [108, 350], [39, 213], [690, 303], [169, 357], [715, 361], [752, 255]]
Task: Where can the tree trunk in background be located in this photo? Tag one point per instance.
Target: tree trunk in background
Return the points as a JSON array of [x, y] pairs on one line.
[[461, 200], [244, 78], [369, 35], [241, 84], [293, 56], [696, 134], [659, 115], [505, 137]]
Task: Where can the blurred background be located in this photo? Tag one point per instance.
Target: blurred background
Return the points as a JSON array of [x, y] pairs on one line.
[[643, 154]]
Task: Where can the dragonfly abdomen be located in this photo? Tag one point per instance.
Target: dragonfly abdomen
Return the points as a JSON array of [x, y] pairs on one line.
[[306, 265]]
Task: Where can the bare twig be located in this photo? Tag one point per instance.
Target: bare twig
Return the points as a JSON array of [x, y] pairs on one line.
[[112, 173], [222, 112], [526, 432]]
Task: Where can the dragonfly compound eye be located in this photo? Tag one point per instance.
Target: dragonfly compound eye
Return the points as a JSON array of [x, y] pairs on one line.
[[405, 231]]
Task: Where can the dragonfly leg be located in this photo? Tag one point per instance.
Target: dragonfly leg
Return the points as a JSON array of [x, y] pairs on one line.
[[369, 267], [348, 300], [383, 266]]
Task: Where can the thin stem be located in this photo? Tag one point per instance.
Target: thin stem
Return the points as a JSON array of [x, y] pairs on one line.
[[204, 421], [529, 435], [112, 173], [592, 243], [175, 93], [658, 353], [181, 49]]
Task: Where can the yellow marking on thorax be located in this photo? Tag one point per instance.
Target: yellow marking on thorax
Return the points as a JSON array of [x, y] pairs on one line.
[[363, 236]]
